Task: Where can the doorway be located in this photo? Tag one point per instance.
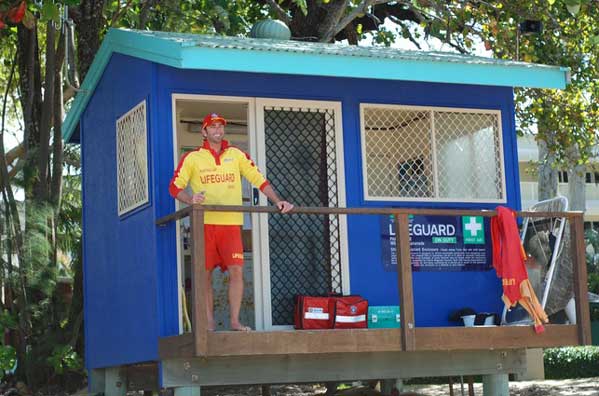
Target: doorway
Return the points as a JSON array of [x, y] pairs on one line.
[[298, 146]]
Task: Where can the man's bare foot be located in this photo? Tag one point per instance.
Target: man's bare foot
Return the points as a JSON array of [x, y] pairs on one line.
[[240, 327], [211, 325]]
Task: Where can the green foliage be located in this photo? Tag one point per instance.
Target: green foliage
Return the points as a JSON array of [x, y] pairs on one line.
[[571, 362], [8, 359], [64, 358], [8, 354], [591, 238], [189, 16], [592, 258], [564, 118], [301, 4], [594, 312], [50, 12]]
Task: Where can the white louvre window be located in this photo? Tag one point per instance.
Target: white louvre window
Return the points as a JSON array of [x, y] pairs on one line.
[[431, 154], [132, 159]]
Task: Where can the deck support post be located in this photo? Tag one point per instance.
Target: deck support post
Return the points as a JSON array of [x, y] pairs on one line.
[[583, 316], [198, 276], [188, 391], [404, 280], [116, 382], [96, 378], [388, 385], [496, 385]]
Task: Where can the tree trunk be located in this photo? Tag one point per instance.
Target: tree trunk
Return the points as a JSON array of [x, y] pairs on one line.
[[320, 19], [57, 146], [41, 183], [88, 24], [547, 173], [576, 180], [577, 188], [31, 100]]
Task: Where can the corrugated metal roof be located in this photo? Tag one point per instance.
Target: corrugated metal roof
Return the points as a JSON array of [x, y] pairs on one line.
[[335, 49], [193, 51]]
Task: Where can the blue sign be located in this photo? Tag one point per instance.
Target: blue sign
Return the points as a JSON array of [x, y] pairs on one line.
[[441, 243]]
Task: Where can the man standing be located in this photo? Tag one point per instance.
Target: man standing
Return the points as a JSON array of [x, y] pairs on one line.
[[214, 172]]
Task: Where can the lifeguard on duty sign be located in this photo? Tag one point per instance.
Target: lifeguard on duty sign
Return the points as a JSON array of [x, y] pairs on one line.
[[440, 243]]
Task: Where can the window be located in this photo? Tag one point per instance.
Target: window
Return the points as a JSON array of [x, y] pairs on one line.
[[132, 159], [440, 154], [562, 176], [588, 177]]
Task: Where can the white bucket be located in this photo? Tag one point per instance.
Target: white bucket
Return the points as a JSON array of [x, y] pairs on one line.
[[468, 320]]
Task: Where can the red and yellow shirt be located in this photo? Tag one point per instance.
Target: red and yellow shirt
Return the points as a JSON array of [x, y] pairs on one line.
[[219, 177]]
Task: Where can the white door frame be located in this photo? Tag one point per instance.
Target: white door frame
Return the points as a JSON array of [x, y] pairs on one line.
[[264, 269], [251, 128]]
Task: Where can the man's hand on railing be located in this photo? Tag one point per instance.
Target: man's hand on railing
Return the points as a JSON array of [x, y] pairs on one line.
[[284, 206], [198, 198]]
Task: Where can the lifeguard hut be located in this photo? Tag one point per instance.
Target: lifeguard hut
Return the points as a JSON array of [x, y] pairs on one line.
[[370, 143]]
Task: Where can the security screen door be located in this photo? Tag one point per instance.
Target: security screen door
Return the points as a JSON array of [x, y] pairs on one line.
[[300, 150]]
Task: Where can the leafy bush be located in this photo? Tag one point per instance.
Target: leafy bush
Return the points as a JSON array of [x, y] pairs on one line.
[[571, 362], [591, 238], [594, 313]]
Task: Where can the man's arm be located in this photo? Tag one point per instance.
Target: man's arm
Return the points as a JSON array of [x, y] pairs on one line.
[[249, 170], [270, 193], [184, 197]]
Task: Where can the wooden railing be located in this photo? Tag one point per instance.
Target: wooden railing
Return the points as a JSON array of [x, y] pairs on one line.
[[408, 330]]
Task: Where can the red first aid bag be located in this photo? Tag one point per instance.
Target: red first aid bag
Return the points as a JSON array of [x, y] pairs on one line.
[[349, 312], [312, 313]]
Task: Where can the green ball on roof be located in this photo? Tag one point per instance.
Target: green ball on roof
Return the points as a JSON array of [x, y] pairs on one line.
[[270, 28]]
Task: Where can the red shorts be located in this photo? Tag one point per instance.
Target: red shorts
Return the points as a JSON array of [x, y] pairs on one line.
[[223, 246]]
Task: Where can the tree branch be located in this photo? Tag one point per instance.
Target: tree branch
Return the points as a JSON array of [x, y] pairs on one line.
[[4, 175], [281, 14], [361, 8], [57, 149], [14, 153], [410, 37], [119, 12]]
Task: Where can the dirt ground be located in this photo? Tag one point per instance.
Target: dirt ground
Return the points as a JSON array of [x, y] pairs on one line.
[[571, 387]]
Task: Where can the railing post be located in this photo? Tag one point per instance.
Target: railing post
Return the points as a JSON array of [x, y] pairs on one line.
[[583, 320], [198, 274], [404, 280]]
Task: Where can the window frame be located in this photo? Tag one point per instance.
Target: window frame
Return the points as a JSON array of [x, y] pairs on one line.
[[435, 182]]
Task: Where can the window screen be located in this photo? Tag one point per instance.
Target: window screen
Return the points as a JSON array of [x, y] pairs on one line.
[[132, 159], [417, 153]]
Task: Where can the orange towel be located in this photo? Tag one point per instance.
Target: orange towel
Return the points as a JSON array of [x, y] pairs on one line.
[[508, 261]]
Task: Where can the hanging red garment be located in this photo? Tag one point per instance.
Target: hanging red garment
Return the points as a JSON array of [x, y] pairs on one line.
[[508, 261]]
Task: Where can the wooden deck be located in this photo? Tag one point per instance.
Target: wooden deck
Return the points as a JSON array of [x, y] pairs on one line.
[[230, 343], [202, 343]]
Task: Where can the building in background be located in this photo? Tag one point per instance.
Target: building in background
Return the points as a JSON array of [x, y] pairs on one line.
[[528, 155]]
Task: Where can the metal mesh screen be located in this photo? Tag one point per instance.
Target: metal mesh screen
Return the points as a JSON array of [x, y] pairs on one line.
[[399, 159], [547, 240], [419, 153], [468, 155], [305, 255], [132, 159]]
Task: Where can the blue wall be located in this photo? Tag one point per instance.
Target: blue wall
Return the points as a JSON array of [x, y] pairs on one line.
[[130, 264], [435, 294], [121, 322]]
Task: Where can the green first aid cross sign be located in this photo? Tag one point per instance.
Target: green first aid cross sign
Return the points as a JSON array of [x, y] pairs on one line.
[[473, 230]]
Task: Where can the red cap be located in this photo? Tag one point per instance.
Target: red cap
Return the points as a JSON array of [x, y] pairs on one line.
[[212, 118]]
